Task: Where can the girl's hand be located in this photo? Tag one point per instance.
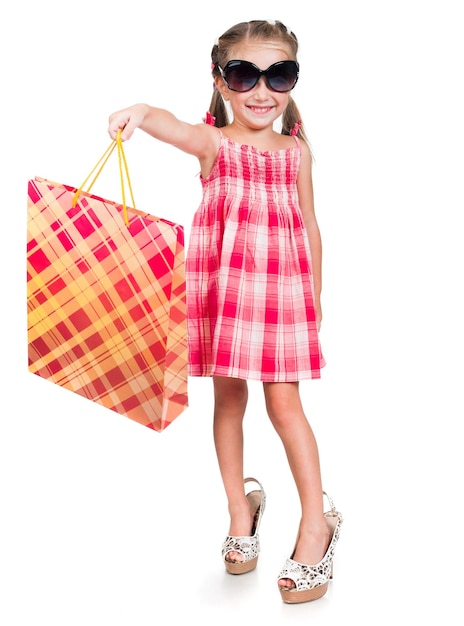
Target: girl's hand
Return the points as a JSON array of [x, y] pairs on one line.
[[126, 120]]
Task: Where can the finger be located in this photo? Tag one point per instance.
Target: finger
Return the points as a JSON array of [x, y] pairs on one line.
[[113, 130], [116, 123], [127, 132]]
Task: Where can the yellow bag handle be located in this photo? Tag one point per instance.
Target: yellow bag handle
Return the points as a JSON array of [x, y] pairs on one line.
[[101, 164]]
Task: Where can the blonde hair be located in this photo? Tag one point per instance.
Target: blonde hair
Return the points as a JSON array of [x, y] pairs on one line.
[[220, 55]]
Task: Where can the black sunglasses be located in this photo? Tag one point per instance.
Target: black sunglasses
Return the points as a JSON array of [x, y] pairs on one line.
[[243, 75]]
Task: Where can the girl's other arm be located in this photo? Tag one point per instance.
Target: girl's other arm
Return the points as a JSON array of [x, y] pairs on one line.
[[306, 197]]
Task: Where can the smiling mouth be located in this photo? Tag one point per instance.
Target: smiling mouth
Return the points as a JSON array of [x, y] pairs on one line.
[[260, 110]]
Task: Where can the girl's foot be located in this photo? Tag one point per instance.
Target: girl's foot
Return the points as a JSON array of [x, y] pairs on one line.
[[240, 549], [241, 525], [305, 575], [311, 547]]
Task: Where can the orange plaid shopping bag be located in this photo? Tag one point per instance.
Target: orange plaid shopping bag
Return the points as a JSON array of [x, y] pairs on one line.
[[106, 300]]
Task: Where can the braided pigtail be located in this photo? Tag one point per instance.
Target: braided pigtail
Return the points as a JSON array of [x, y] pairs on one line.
[[290, 118], [217, 106]]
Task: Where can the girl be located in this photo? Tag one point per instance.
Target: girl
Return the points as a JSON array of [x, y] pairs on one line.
[[254, 282]]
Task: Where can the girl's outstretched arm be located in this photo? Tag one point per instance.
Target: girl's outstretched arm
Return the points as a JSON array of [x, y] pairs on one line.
[[200, 140]]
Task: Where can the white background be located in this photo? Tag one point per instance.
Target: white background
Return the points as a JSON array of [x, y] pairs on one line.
[[104, 522]]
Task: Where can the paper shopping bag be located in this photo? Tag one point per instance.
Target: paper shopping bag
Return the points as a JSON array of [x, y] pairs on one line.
[[106, 302]]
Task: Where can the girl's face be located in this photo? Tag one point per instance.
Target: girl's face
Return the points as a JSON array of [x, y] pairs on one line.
[[261, 106]]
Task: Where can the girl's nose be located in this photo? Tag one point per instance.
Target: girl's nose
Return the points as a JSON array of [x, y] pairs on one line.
[[261, 87]]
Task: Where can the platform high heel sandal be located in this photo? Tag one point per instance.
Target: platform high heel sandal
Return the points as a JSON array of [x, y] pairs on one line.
[[312, 581], [247, 546]]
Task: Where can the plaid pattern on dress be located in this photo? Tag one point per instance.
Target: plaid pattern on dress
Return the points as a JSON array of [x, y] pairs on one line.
[[106, 303], [249, 280]]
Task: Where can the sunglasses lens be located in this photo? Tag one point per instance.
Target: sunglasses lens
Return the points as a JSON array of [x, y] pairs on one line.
[[282, 76], [241, 76]]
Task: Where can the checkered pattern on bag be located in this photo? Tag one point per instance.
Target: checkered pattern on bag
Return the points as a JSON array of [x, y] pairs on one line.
[[106, 303]]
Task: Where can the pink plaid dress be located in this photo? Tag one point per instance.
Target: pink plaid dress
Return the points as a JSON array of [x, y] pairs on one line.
[[249, 283]]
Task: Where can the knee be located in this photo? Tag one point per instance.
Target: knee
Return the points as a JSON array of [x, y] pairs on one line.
[[283, 405], [279, 414], [230, 393]]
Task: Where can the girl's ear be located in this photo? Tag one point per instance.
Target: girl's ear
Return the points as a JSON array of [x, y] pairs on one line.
[[221, 87]]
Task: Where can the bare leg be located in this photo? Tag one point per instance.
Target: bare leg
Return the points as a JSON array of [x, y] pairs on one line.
[[231, 396], [287, 416]]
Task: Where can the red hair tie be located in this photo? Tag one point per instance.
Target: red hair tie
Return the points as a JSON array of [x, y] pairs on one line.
[[209, 119], [296, 128]]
